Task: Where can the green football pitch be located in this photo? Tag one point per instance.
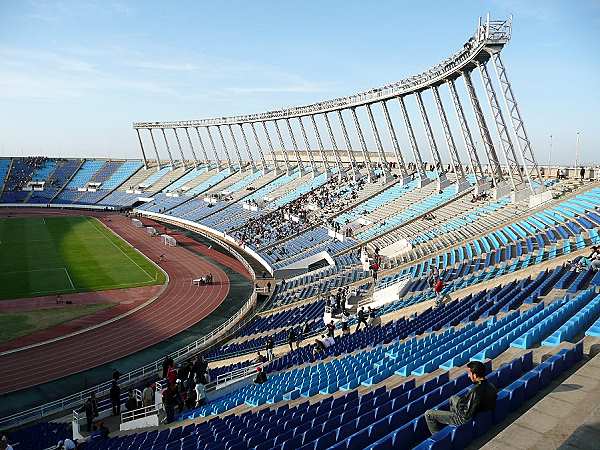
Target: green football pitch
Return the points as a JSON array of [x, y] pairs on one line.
[[62, 255]]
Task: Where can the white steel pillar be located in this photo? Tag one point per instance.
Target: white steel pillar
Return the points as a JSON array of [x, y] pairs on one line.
[[187, 133], [420, 171], [438, 167], [480, 182], [235, 147], [224, 145], [142, 148], [155, 149], [397, 151], [295, 147], [214, 148], [353, 166], [272, 150], [488, 145], [307, 144], [247, 146], [324, 159], [203, 148], [180, 148], [363, 146], [336, 155], [168, 148], [282, 144], [260, 151], [382, 159], [461, 181]]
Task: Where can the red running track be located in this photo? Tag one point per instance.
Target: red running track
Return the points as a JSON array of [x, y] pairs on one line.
[[180, 306]]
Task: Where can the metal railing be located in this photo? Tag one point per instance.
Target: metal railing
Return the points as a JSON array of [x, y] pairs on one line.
[[135, 376], [135, 414]]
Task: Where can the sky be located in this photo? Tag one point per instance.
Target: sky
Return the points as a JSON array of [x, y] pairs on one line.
[[74, 76]]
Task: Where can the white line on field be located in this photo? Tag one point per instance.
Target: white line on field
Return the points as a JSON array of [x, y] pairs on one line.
[[69, 277], [121, 250]]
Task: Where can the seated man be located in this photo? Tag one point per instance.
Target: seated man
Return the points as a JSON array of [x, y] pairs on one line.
[[481, 398], [261, 377], [259, 358]]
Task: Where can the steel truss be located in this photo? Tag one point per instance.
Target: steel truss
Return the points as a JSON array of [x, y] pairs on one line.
[[531, 167], [514, 171]]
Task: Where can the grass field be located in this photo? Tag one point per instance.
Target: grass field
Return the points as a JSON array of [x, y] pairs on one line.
[[61, 255], [14, 325]]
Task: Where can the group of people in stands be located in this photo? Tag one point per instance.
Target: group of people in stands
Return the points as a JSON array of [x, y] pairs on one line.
[[21, 174], [479, 197], [592, 261], [185, 386], [331, 197]]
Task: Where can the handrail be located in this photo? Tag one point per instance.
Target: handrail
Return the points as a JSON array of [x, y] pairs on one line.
[[139, 374], [144, 411]]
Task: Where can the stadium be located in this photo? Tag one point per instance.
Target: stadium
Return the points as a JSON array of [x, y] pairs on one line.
[[388, 269]]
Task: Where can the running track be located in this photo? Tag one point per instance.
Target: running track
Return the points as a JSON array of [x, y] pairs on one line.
[[180, 306]]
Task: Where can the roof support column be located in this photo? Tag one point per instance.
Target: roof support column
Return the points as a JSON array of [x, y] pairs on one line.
[[168, 148], [338, 160], [423, 180], [353, 166], [180, 147], [155, 149], [187, 133], [142, 148], [236, 148], [324, 159], [285, 155], [363, 146], [442, 180], [395, 144], [490, 151], [515, 175], [272, 150], [225, 147], [250, 157], [530, 165], [260, 151], [382, 159], [308, 151], [295, 147], [203, 148], [461, 181], [214, 148], [480, 182]]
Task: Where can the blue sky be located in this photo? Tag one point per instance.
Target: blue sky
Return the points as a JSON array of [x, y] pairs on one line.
[[75, 75]]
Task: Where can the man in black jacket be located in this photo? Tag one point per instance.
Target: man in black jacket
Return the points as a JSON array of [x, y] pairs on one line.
[[115, 395], [481, 398]]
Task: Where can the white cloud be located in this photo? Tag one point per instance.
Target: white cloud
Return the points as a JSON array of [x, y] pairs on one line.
[[155, 65]]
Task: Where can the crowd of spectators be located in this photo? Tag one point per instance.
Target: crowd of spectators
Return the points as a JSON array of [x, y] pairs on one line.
[[20, 174], [309, 210], [185, 385]]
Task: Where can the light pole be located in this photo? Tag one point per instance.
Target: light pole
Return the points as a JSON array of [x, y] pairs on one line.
[[577, 153], [550, 155]]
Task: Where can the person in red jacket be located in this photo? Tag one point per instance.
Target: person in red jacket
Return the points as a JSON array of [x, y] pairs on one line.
[[439, 285], [172, 375]]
